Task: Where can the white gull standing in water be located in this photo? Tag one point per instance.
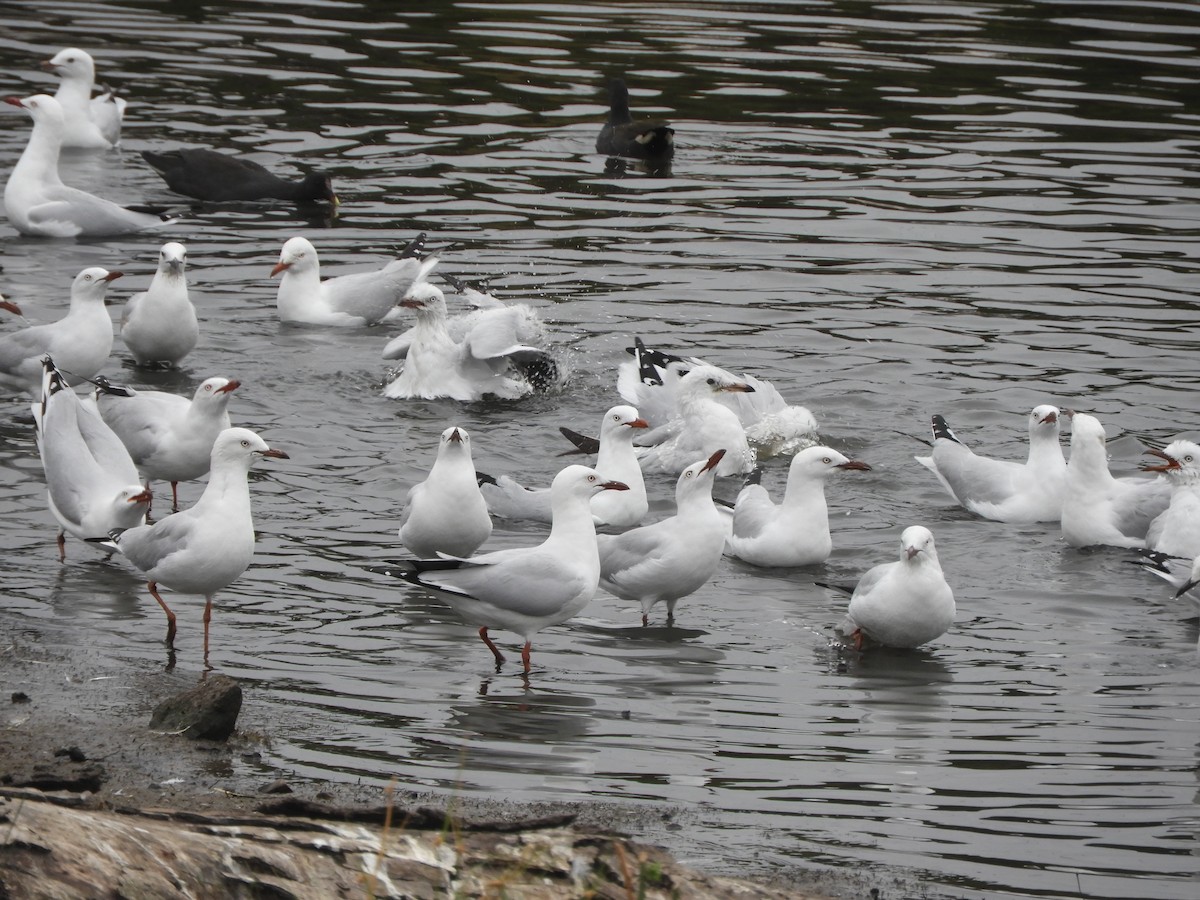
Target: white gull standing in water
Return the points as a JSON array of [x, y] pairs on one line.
[[998, 489], [527, 589], [507, 498], [159, 325], [169, 437], [79, 342], [446, 513], [904, 603], [1176, 531], [92, 123], [207, 547], [795, 531], [361, 298], [91, 483], [39, 204], [670, 559], [1099, 509]]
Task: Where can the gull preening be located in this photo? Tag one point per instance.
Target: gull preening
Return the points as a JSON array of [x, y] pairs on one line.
[[218, 177], [169, 437], [527, 589], [702, 424], [446, 513], [999, 489], [159, 324], [361, 298], [670, 559], [1099, 509], [491, 359], [80, 342], [650, 381], [39, 204], [92, 485], [91, 123], [207, 547], [795, 531], [904, 603], [508, 498]]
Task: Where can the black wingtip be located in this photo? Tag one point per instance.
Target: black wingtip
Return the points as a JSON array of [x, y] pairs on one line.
[[841, 588], [482, 478], [755, 477], [415, 248], [1187, 586], [942, 430], [583, 443]]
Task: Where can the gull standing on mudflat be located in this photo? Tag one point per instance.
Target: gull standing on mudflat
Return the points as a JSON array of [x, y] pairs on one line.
[[794, 532], [218, 177], [207, 547], [1099, 509], [79, 342], [159, 325], [92, 485], [490, 360], [507, 498], [702, 424], [361, 298], [527, 589], [650, 381], [169, 437], [446, 513], [92, 123], [1176, 531], [39, 204], [670, 559], [905, 603], [999, 489]]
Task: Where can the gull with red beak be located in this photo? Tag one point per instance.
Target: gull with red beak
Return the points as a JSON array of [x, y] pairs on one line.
[[207, 547], [527, 589], [91, 123], [92, 484], [668, 560], [507, 498], [1176, 531], [1001, 490], [361, 298], [79, 342], [446, 513], [904, 603], [169, 437], [794, 532], [39, 204]]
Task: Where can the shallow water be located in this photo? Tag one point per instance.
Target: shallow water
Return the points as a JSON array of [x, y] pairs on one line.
[[888, 210]]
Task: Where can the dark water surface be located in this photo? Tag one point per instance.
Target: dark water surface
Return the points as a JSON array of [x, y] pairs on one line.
[[888, 209]]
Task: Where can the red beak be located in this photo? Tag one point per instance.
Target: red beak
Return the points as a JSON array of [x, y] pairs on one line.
[[1165, 467], [638, 423], [280, 267], [112, 276], [275, 454], [716, 457], [233, 385], [855, 465]]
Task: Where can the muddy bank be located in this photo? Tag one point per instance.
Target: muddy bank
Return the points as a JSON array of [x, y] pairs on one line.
[[94, 802]]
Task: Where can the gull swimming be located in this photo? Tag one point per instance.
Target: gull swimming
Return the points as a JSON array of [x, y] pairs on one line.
[[997, 489], [91, 123], [446, 513], [1176, 531], [159, 325]]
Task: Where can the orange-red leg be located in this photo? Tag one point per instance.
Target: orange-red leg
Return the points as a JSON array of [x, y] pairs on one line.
[[153, 586], [859, 637], [525, 656], [62, 546], [483, 633], [174, 496]]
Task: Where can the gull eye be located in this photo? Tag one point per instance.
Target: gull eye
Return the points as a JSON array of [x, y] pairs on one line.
[[208, 387], [712, 381], [616, 418], [1187, 458], [591, 478], [827, 460], [245, 443]]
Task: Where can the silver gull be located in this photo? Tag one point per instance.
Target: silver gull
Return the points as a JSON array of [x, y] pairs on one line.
[[39, 204], [79, 342], [169, 437], [795, 531], [207, 547], [92, 123], [446, 513], [527, 589], [92, 484], [1099, 509], [361, 298], [904, 603], [1176, 531], [998, 489], [159, 324], [508, 498], [670, 559]]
